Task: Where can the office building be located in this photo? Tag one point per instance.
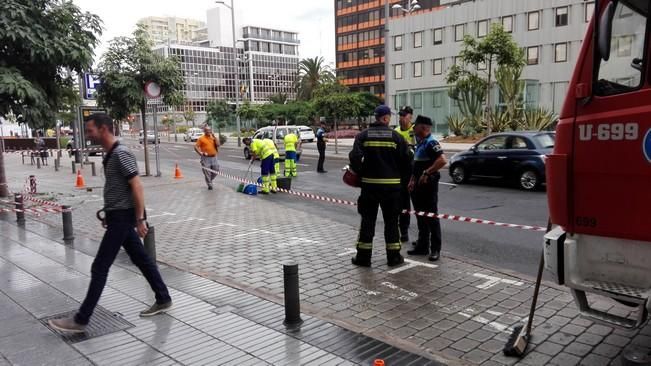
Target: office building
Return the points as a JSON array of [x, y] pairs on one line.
[[164, 29], [359, 32], [271, 57], [425, 45]]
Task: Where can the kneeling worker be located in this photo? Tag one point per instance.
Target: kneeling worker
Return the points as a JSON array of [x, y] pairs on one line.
[[264, 149]]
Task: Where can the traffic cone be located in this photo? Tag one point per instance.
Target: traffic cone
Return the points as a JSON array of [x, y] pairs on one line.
[[177, 172], [378, 362], [80, 180]]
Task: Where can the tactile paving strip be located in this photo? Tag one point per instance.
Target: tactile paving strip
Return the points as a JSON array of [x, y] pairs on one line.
[[101, 323]]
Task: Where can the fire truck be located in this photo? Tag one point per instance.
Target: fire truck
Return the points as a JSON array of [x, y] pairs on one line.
[[599, 174]]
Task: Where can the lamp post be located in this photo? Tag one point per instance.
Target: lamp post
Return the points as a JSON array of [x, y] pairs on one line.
[[237, 71], [411, 7]]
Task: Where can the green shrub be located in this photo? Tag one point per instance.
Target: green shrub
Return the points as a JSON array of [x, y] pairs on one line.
[[182, 129], [456, 124], [222, 139], [538, 119]]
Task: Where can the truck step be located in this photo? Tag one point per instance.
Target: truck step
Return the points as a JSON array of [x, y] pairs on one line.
[[605, 317], [634, 294]]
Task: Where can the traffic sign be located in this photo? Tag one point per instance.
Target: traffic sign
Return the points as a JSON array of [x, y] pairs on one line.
[[152, 89], [91, 83]]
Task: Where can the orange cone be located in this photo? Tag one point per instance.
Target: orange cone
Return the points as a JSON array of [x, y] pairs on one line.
[[378, 362], [80, 180], [177, 172]]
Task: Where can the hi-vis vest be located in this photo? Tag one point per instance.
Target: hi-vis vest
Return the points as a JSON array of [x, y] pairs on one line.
[[408, 135], [261, 148], [290, 142]]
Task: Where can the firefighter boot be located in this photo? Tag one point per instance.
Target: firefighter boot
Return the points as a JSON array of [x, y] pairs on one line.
[[394, 258], [363, 258]]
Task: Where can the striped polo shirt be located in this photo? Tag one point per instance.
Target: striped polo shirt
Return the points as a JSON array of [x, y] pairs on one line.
[[119, 167]]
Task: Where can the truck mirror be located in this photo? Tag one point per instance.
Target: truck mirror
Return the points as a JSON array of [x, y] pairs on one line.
[[605, 30]]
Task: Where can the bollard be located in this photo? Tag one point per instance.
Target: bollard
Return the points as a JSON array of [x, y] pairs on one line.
[[92, 168], [150, 242], [38, 162], [292, 299], [68, 233], [74, 167], [32, 184], [20, 214], [57, 164]]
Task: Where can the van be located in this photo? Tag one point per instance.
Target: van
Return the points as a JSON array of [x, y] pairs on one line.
[[277, 134]]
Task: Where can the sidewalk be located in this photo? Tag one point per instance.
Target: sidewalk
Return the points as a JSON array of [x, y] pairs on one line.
[[457, 310], [209, 324]]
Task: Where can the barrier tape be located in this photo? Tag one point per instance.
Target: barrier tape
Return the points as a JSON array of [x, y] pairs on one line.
[[411, 212], [37, 210], [42, 202]]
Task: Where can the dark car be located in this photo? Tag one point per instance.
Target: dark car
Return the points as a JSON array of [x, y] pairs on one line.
[[513, 156]]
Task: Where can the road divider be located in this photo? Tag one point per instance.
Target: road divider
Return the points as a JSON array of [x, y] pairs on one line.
[[441, 216]]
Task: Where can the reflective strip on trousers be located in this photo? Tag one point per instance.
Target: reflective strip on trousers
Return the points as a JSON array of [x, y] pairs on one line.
[[381, 180], [364, 246], [393, 246]]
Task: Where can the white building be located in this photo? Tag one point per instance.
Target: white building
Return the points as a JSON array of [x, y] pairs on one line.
[[164, 29], [424, 45]]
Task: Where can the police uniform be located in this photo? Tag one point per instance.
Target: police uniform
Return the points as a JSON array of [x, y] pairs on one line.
[[380, 158], [405, 197], [321, 147], [425, 196]]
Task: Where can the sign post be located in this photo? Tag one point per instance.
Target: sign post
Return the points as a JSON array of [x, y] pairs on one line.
[[152, 91]]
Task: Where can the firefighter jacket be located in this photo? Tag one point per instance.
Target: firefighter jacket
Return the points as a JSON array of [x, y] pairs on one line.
[[380, 157]]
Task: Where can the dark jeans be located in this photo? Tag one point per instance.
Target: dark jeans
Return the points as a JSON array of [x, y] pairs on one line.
[[321, 146], [405, 218], [425, 198], [367, 205], [120, 232]]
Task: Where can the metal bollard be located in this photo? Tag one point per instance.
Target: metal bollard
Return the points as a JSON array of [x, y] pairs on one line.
[[92, 167], [74, 167], [32, 184], [150, 242], [68, 233], [38, 162], [20, 214], [57, 164], [292, 299]]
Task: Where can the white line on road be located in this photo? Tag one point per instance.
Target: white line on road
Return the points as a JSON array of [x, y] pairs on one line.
[[411, 264], [347, 252], [235, 156], [163, 214], [480, 319], [218, 225], [492, 281], [186, 220]]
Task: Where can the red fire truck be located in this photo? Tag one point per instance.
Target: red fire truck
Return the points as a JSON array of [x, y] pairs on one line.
[[599, 174]]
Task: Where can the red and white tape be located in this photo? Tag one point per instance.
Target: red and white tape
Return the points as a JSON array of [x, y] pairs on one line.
[[417, 213], [37, 210]]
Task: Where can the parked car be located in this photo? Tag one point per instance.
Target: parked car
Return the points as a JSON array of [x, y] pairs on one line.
[[192, 134], [512, 156], [306, 134], [150, 137], [92, 149], [277, 134]]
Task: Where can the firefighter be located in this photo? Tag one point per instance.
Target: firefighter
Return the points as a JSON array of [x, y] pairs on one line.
[[406, 130], [291, 141], [263, 150], [424, 188], [381, 159]]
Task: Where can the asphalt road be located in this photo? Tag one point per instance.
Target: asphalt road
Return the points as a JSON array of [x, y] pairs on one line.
[[503, 248]]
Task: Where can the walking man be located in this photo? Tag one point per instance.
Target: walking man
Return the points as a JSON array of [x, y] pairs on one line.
[[406, 130], [321, 146], [207, 147], [380, 157], [424, 188], [124, 205]]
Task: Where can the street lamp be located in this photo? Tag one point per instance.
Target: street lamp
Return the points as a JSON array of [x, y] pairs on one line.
[[411, 7], [237, 71]]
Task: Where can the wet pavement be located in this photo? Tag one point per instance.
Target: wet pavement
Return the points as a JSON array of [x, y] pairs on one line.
[[456, 309]]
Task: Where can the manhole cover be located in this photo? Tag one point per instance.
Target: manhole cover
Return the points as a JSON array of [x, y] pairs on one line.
[[102, 322]]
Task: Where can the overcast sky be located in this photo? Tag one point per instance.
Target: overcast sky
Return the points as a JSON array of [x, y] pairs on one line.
[[312, 19]]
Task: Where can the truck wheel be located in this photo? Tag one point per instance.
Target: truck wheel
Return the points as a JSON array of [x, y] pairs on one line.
[[528, 180], [458, 174]]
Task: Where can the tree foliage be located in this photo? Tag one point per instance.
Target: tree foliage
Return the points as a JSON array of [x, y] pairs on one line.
[[312, 72], [125, 68], [218, 111], [42, 43]]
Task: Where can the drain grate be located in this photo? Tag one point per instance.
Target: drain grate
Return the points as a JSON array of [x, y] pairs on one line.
[[101, 323]]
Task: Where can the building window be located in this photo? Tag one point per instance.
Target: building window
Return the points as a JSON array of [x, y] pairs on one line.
[[533, 20], [397, 43], [418, 39], [532, 55], [437, 66], [459, 32], [482, 28], [561, 16], [437, 35], [589, 11], [560, 52], [507, 23], [418, 68], [397, 71]]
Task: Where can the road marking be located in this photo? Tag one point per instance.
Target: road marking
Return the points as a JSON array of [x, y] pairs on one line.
[[347, 252], [185, 220], [411, 264], [492, 281], [252, 231], [163, 214], [235, 156], [480, 319], [95, 200], [301, 164], [218, 225], [407, 295]]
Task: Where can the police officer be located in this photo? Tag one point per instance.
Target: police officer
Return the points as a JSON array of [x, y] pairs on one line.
[[406, 130], [380, 158], [321, 141], [424, 187]]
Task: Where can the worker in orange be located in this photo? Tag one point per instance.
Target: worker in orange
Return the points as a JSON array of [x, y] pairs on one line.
[[207, 147]]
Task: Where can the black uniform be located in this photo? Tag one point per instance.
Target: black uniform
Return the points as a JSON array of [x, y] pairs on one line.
[[425, 196], [321, 146], [381, 159]]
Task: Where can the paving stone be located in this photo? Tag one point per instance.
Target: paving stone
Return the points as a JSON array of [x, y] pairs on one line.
[[492, 346], [452, 353], [535, 359], [477, 356], [590, 339], [565, 359], [445, 325], [465, 345], [562, 338], [481, 335], [599, 329], [578, 349], [470, 326], [572, 329], [617, 340], [437, 344], [454, 334], [595, 360], [606, 350], [549, 348]]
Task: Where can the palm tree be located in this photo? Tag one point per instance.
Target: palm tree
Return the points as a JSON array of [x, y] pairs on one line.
[[312, 72]]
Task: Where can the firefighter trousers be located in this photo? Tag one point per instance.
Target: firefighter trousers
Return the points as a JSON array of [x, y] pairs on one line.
[[368, 203]]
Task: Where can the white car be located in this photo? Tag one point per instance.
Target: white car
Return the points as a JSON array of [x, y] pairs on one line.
[[150, 137], [192, 135], [307, 134], [277, 135]]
